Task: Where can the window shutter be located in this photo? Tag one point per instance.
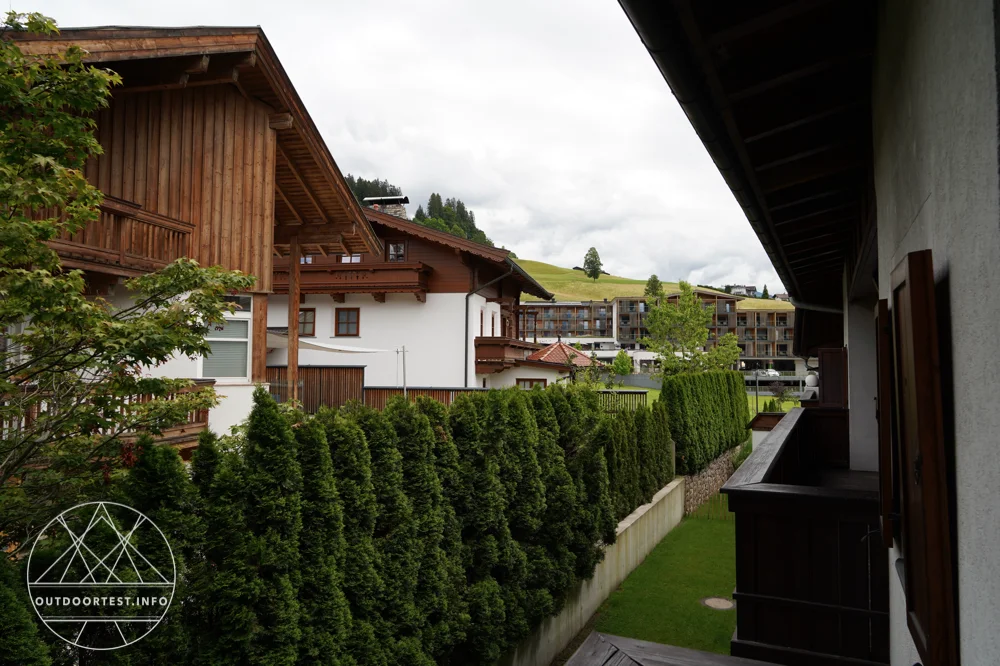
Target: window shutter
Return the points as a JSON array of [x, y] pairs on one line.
[[925, 506], [888, 500]]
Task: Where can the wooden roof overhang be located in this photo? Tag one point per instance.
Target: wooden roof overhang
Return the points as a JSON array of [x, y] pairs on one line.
[[312, 200], [779, 93], [498, 256]]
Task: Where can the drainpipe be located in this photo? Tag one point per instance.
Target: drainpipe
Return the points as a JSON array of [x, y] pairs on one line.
[[467, 296]]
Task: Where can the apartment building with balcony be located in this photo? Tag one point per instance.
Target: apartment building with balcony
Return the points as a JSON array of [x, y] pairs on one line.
[[764, 329]]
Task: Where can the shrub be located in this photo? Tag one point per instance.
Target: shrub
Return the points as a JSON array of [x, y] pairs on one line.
[[19, 639], [395, 533], [708, 416], [362, 586], [421, 484], [274, 519], [325, 614]]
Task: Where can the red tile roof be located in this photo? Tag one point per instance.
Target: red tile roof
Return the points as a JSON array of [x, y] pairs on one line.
[[561, 353]]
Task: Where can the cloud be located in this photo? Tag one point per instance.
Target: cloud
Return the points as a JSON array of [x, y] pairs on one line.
[[549, 120]]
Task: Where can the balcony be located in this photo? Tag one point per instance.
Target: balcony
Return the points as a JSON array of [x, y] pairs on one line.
[[495, 353], [325, 276], [811, 570], [125, 240]]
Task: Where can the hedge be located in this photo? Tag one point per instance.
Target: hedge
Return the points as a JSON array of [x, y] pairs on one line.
[[418, 535], [708, 416]]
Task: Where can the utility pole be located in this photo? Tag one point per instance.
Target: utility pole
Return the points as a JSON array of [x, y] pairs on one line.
[[404, 370]]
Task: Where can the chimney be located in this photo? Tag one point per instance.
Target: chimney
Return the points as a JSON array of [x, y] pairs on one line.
[[390, 205]]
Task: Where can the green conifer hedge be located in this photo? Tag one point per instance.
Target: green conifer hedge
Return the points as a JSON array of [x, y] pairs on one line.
[[708, 416], [418, 535]]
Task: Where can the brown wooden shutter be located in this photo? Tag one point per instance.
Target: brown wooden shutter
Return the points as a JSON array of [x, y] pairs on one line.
[[832, 377], [925, 501], [888, 498]]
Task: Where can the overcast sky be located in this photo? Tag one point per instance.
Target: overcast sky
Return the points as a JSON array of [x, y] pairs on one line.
[[548, 119]]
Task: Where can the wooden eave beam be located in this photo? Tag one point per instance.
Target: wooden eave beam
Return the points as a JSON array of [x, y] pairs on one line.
[[763, 22], [307, 233], [288, 203], [302, 183], [280, 121], [690, 27]]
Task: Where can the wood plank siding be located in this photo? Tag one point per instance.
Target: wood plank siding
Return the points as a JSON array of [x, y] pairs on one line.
[[203, 157], [319, 386]]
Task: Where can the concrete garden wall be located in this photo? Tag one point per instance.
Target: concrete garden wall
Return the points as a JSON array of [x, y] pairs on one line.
[[638, 534]]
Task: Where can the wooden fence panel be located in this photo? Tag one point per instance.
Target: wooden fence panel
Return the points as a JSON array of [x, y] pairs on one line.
[[378, 396], [614, 400], [319, 385]]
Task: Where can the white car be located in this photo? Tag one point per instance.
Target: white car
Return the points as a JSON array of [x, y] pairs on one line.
[[772, 373]]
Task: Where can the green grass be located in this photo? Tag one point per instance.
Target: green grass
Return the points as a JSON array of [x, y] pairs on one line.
[[570, 285], [762, 400], [652, 395], [661, 600]]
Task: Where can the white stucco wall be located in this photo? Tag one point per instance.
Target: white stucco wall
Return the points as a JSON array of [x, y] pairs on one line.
[[935, 136], [510, 376], [235, 394], [432, 332]]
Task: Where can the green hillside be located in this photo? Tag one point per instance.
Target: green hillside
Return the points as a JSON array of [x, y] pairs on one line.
[[570, 285]]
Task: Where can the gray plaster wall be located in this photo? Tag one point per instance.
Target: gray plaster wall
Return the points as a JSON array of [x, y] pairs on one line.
[[859, 335], [936, 179]]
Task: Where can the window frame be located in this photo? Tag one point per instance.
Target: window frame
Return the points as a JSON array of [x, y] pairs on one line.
[[302, 311], [389, 252], [337, 322], [350, 258], [239, 315], [534, 382]]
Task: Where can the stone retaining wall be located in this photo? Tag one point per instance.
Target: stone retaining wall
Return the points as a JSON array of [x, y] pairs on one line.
[[699, 487], [638, 534]]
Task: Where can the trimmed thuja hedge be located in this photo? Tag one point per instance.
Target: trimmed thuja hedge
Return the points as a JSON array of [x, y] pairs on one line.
[[708, 416], [418, 535]]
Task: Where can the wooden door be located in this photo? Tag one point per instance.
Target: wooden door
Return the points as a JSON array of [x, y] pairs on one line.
[[925, 505]]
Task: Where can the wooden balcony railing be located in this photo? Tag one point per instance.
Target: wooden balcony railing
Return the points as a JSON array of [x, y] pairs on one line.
[[324, 276], [493, 353], [811, 572], [125, 239]]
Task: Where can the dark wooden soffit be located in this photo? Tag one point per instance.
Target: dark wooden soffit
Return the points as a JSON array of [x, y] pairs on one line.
[[608, 650], [779, 93], [310, 190]]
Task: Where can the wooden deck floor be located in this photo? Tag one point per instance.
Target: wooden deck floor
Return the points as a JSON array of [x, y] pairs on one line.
[[607, 650]]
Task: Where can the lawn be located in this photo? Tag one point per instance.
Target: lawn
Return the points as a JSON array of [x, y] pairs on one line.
[[661, 600], [762, 400], [652, 395]]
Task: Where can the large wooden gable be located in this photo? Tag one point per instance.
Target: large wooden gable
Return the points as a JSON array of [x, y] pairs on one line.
[[208, 140]]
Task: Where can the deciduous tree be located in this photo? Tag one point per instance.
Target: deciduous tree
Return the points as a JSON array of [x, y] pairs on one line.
[[592, 265]]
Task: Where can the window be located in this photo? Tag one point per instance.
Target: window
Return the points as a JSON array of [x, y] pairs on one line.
[[230, 343], [528, 384], [493, 324], [347, 321], [350, 258], [307, 322], [307, 259], [397, 251], [482, 329]]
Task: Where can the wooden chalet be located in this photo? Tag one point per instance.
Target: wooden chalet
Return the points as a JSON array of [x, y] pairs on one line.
[[210, 154], [450, 301], [861, 140]]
